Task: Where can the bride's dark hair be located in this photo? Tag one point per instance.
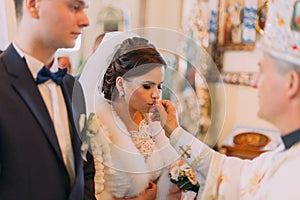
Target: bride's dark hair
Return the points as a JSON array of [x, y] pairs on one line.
[[134, 57]]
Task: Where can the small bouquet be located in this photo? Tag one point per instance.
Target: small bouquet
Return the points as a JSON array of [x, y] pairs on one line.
[[91, 130], [184, 177]]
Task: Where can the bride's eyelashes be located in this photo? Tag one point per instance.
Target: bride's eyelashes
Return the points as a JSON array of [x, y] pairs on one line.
[[148, 86]]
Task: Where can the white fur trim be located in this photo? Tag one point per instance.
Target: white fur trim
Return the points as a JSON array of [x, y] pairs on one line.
[[126, 160]]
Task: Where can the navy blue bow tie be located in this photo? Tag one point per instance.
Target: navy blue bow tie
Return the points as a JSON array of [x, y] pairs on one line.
[[45, 74]]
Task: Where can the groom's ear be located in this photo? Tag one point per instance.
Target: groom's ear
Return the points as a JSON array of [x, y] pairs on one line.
[[119, 83], [33, 8]]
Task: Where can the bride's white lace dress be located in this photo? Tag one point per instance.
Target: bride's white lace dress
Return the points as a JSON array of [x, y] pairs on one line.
[[126, 162]]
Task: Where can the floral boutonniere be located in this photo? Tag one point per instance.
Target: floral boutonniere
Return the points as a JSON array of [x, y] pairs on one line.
[[91, 130], [184, 176]]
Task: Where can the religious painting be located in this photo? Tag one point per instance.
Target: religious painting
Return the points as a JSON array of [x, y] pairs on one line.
[[295, 25], [261, 18], [114, 18], [111, 19], [236, 29], [188, 90]]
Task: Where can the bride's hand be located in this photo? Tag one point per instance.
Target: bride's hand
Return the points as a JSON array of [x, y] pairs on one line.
[[174, 193], [149, 193]]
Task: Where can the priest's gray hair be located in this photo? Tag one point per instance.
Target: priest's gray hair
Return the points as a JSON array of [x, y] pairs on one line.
[[284, 66]]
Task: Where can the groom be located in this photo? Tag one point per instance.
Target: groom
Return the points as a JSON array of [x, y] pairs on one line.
[[39, 130]]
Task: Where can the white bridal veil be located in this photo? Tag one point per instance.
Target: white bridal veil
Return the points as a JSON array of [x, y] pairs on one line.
[[112, 127], [163, 39], [97, 65]]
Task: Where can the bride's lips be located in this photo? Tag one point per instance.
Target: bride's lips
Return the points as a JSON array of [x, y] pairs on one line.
[[152, 104]]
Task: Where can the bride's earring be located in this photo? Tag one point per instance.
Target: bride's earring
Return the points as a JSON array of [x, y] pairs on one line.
[[121, 94]]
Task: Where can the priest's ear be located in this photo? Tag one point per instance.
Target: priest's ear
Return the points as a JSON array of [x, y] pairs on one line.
[[293, 78]]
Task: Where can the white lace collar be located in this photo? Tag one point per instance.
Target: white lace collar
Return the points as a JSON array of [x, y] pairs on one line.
[[143, 139]]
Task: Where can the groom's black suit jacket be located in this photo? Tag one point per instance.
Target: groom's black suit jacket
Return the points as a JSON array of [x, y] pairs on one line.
[[31, 163]]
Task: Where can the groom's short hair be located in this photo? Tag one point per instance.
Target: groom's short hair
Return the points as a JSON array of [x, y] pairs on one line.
[[18, 8]]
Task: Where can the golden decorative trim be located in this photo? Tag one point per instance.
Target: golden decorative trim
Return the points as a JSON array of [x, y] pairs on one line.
[[238, 78]]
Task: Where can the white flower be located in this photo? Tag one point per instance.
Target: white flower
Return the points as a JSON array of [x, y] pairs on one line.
[[185, 167], [183, 176], [93, 125], [84, 146], [91, 131], [175, 172], [81, 121]]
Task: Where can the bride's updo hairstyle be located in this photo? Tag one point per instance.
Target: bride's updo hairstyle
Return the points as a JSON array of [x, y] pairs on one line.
[[134, 57]]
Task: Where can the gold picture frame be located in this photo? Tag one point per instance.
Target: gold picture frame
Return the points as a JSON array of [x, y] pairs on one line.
[[295, 23], [232, 25], [261, 18]]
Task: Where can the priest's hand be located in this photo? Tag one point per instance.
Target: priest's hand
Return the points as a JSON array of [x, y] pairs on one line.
[[165, 112]]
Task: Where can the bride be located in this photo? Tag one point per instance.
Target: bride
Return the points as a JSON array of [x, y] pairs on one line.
[[131, 151]]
